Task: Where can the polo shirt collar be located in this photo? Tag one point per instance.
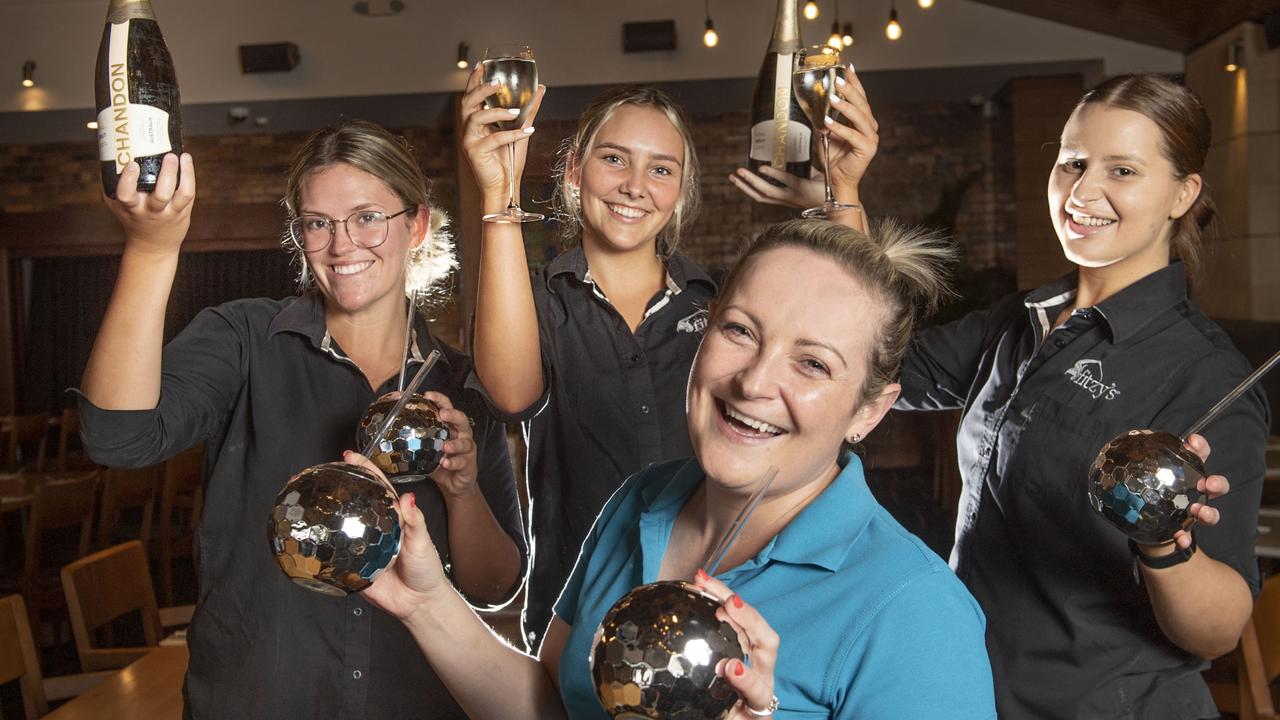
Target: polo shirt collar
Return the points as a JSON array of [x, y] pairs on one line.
[[305, 316], [1126, 312], [680, 270], [822, 534]]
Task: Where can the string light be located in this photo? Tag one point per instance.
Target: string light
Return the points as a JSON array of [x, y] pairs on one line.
[[29, 73], [848, 34], [811, 10], [835, 40], [893, 30], [464, 50], [710, 38]]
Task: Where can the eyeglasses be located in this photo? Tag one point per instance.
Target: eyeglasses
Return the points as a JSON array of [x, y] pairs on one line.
[[366, 228]]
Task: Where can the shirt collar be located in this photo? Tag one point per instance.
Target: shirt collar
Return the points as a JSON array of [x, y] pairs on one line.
[[1126, 312], [305, 316], [680, 270], [822, 534]]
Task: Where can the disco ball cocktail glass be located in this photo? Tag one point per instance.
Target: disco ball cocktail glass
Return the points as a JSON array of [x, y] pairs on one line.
[[411, 449], [656, 652], [1144, 483], [333, 528]]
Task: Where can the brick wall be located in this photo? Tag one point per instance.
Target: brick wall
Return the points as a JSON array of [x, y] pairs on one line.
[[948, 165]]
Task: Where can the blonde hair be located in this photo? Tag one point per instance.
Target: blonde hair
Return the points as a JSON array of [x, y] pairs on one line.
[[575, 149], [370, 147], [906, 267]]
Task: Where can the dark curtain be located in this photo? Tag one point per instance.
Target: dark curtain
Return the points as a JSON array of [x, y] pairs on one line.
[[68, 296]]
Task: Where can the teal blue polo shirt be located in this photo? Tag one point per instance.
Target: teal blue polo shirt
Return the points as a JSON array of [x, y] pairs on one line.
[[872, 623]]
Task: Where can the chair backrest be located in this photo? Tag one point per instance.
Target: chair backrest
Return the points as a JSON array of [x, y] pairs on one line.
[[69, 434], [103, 587], [58, 503], [26, 431], [125, 488], [1260, 654], [18, 658]]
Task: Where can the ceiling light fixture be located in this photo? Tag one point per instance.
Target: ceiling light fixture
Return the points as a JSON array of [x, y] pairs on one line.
[[811, 10], [464, 55], [1234, 57], [29, 74], [893, 30]]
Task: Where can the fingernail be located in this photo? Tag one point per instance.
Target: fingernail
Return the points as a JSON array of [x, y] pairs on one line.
[[851, 68], [841, 81], [413, 499], [739, 668], [494, 82], [528, 130], [514, 111], [828, 121], [346, 453], [737, 602], [702, 574]]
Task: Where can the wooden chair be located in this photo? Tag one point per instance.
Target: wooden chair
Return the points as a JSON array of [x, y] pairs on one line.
[[104, 587], [26, 431], [1260, 656], [18, 658], [127, 488], [20, 661], [180, 500], [57, 503], [71, 455]]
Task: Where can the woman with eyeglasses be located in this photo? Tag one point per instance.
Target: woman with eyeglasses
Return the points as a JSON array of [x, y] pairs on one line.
[[275, 386]]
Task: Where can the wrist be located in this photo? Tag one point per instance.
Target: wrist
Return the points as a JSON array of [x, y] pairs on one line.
[[1165, 555]]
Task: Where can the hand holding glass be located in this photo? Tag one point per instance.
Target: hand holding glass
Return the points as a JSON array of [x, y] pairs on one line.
[[813, 79], [511, 68]]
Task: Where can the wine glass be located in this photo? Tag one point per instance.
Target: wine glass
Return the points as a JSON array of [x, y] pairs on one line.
[[813, 79], [516, 74]]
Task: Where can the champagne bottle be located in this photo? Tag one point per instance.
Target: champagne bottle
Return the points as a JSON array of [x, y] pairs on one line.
[[780, 133], [136, 90]]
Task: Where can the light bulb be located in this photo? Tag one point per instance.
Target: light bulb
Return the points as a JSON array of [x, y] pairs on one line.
[[847, 37], [893, 30], [925, 4], [710, 38], [835, 40], [811, 10], [92, 124]]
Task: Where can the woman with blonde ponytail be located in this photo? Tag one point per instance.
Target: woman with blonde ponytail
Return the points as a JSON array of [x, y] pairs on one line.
[[842, 613], [274, 386]]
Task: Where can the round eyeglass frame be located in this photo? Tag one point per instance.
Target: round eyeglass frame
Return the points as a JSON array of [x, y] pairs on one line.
[[333, 229]]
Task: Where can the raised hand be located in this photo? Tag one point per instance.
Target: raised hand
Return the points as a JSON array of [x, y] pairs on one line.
[[754, 682], [456, 475], [156, 222]]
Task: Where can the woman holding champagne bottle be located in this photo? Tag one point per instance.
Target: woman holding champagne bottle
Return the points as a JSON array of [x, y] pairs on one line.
[[1080, 622], [275, 386]]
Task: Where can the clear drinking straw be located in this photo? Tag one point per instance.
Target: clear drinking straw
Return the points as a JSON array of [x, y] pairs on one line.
[[408, 338], [722, 548], [394, 412]]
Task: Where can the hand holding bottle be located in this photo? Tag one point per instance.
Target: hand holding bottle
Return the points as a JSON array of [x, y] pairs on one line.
[[156, 222]]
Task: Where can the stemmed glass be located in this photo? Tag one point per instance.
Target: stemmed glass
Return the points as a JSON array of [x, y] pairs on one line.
[[516, 73], [813, 79]]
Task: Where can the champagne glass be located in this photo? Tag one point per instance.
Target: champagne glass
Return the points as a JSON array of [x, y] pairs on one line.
[[813, 79], [516, 74]]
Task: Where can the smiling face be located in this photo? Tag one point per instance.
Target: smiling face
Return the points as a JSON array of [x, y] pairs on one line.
[[630, 179], [354, 279], [1113, 195], [780, 373]]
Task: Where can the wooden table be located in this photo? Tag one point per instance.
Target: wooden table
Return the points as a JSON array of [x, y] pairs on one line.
[[148, 689]]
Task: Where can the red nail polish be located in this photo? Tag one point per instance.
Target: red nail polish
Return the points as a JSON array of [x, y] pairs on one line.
[[737, 602], [413, 499], [739, 669], [702, 574]]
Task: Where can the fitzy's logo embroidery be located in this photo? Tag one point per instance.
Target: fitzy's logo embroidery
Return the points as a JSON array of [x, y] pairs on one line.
[[695, 323], [1088, 375]]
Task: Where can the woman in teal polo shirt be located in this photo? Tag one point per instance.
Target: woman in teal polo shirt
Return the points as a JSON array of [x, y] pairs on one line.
[[844, 613]]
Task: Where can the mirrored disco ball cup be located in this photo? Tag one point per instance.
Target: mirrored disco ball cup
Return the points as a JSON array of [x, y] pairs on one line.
[[333, 528], [412, 448], [1144, 482], [656, 652]]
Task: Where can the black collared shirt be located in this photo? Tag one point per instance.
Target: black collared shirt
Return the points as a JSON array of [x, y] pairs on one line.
[[264, 386], [1070, 632], [615, 404]]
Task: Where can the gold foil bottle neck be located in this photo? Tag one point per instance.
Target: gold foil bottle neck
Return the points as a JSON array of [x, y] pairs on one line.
[[124, 10], [786, 29]]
